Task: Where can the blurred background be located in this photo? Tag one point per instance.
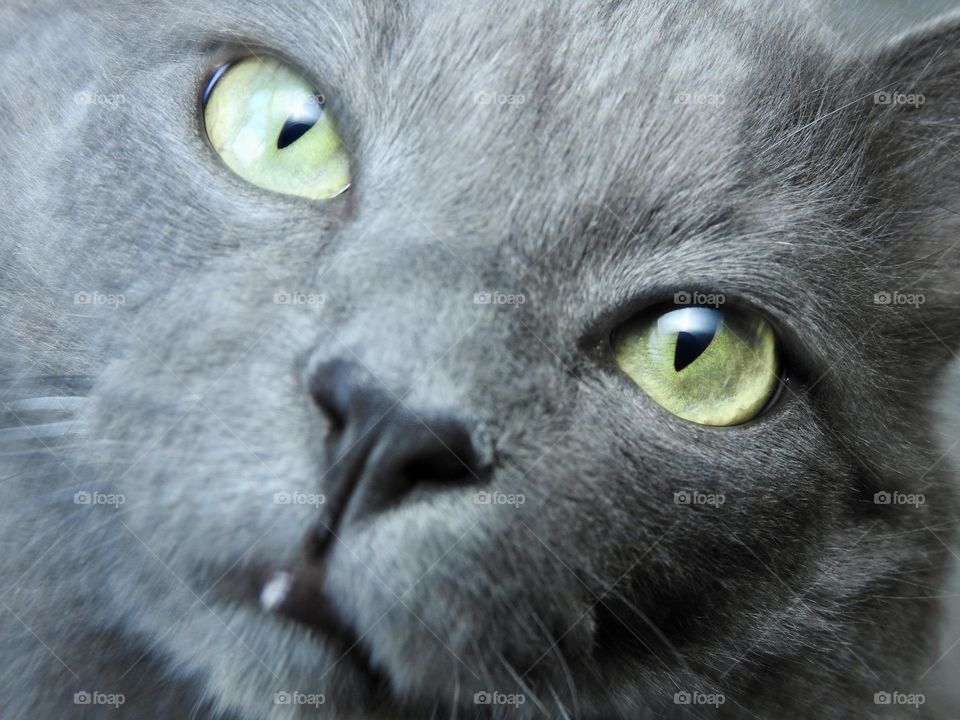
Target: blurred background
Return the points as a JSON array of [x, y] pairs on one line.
[[860, 24]]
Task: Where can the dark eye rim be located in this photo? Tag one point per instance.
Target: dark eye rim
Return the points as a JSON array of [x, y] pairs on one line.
[[211, 80], [651, 311]]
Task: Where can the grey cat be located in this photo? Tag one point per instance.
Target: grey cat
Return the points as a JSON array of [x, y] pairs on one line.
[[372, 456]]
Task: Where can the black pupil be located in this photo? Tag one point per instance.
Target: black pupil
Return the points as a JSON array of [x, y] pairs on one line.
[[299, 122], [690, 346]]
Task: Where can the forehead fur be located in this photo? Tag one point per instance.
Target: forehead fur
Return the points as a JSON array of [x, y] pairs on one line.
[[626, 147], [611, 132]]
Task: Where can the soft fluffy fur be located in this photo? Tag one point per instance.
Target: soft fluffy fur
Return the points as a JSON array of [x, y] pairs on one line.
[[598, 194]]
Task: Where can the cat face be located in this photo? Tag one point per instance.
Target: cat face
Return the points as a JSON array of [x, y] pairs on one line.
[[378, 447]]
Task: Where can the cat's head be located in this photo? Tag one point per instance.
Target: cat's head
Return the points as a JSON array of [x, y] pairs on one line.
[[427, 420]]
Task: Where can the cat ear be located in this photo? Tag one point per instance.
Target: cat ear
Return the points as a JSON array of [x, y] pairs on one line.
[[913, 95], [905, 139]]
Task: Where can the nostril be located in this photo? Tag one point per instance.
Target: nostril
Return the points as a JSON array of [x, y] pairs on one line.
[[437, 450], [445, 468], [379, 448]]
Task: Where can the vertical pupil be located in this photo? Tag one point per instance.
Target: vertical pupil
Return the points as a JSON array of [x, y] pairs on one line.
[[301, 119], [690, 346]]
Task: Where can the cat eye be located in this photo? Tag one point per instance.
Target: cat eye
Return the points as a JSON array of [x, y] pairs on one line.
[[271, 127], [708, 366]]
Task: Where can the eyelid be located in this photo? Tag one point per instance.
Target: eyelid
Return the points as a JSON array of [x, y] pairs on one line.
[[220, 58], [229, 53], [594, 340]]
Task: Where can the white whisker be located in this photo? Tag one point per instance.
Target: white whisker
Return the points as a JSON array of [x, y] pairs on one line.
[[40, 432]]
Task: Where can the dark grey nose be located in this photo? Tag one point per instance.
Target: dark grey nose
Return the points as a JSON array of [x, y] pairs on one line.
[[379, 448]]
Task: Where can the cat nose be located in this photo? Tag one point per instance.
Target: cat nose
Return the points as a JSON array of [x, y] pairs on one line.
[[379, 449]]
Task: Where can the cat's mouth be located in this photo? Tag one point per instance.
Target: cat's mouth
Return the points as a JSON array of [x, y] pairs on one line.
[[296, 595]]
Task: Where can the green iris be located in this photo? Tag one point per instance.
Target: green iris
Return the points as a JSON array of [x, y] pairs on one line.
[[703, 365], [271, 127]]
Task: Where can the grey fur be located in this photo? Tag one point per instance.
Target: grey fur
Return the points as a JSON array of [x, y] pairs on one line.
[[797, 195]]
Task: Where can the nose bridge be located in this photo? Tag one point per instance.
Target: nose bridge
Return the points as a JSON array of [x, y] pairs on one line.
[[406, 307], [440, 318]]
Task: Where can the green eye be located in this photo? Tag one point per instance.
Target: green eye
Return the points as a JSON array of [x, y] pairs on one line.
[[271, 128], [703, 365]]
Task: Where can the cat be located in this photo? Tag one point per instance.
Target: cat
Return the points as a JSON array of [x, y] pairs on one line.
[[371, 456]]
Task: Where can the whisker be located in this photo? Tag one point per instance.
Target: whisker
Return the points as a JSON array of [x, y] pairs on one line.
[[526, 688], [40, 432], [564, 666], [56, 403], [12, 388]]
